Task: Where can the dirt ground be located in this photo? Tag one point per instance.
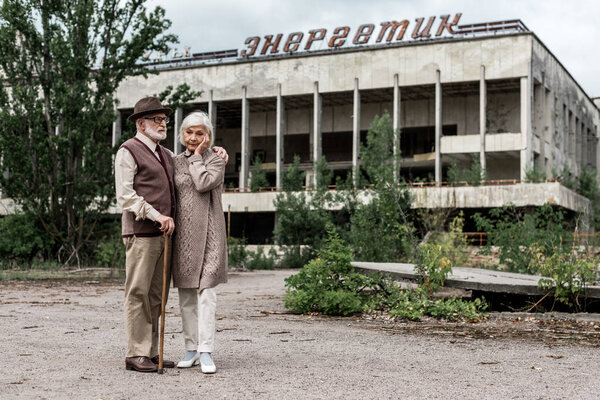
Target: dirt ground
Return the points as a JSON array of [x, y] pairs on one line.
[[65, 340]]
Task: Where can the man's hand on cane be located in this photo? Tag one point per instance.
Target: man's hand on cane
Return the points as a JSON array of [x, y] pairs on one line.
[[167, 224]]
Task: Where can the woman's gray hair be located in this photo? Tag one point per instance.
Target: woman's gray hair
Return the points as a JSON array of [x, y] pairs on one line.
[[194, 119]]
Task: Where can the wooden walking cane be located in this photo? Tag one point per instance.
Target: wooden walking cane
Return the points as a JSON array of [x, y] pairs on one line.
[[162, 305]]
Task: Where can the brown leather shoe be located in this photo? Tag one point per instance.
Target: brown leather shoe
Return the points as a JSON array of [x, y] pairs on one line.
[[141, 364], [166, 363]]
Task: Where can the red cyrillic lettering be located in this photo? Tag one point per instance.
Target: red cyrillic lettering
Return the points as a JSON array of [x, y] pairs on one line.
[[364, 34], [271, 44], [339, 36], [252, 43], [393, 26], [313, 37], [425, 32], [445, 25], [293, 42]]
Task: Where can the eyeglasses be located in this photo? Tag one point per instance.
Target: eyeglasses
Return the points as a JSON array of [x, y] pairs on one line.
[[158, 120]]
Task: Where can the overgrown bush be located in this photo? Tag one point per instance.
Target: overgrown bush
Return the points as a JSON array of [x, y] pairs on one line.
[[259, 176], [534, 174], [432, 266], [566, 275], [330, 285], [236, 252], [22, 238], [302, 216], [110, 252], [259, 260], [515, 231], [450, 238], [296, 256], [413, 306], [566, 177], [471, 176], [382, 217]]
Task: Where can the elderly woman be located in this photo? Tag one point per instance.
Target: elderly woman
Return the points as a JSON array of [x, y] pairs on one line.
[[200, 244]]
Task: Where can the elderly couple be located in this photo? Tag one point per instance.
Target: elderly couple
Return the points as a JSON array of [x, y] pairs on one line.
[[162, 193]]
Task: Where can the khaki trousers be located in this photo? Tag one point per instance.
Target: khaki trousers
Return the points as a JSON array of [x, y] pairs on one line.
[[198, 316], [143, 291]]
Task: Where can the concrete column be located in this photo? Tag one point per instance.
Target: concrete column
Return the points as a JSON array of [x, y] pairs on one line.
[[279, 132], [116, 129], [317, 127], [245, 141], [438, 127], [355, 132], [578, 147], [212, 114], [396, 127], [178, 119], [482, 118], [526, 143], [566, 136], [571, 159], [549, 122]]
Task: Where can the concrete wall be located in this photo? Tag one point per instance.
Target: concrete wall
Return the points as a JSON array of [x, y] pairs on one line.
[[415, 63], [564, 117]]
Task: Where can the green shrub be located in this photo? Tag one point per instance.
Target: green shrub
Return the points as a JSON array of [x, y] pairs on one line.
[[432, 266], [259, 176], [110, 252], [534, 174], [383, 216], [567, 275], [240, 257], [259, 260], [293, 179], [471, 176], [515, 231], [236, 252], [296, 256], [22, 238], [330, 285]]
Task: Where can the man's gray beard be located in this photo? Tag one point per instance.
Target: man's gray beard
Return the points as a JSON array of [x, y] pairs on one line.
[[155, 135]]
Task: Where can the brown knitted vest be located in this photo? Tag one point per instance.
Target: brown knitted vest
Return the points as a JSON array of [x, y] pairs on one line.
[[154, 182]]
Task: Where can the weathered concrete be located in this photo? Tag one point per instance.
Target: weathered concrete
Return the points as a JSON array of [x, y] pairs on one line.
[[355, 131], [483, 280], [458, 61], [438, 126], [520, 195]]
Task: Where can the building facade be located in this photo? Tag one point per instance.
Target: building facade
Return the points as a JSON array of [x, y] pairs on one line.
[[498, 95]]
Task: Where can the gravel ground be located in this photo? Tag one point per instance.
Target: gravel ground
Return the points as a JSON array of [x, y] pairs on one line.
[[65, 340]]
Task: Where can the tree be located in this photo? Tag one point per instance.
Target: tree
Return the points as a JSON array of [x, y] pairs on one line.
[[259, 176], [301, 217], [383, 217], [61, 63]]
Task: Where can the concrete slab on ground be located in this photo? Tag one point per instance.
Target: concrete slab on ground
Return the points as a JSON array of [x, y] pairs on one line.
[[484, 280]]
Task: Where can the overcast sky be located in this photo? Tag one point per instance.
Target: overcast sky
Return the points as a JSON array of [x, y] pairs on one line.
[[570, 29]]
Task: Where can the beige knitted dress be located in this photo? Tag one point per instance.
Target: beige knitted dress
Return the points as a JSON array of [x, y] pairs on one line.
[[200, 242]]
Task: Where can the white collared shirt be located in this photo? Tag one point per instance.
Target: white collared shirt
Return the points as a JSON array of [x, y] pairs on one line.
[[125, 170]]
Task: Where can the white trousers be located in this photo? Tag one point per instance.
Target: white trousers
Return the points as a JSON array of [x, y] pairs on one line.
[[198, 315]]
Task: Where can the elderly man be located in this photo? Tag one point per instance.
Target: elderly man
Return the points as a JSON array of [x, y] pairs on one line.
[[145, 192]]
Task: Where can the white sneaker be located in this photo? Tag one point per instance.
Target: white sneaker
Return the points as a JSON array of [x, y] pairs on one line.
[[207, 366], [194, 360]]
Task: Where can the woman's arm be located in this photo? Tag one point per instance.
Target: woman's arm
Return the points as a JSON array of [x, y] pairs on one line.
[[206, 176]]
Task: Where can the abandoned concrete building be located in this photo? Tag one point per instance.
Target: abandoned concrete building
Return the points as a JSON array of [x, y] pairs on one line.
[[490, 91]]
